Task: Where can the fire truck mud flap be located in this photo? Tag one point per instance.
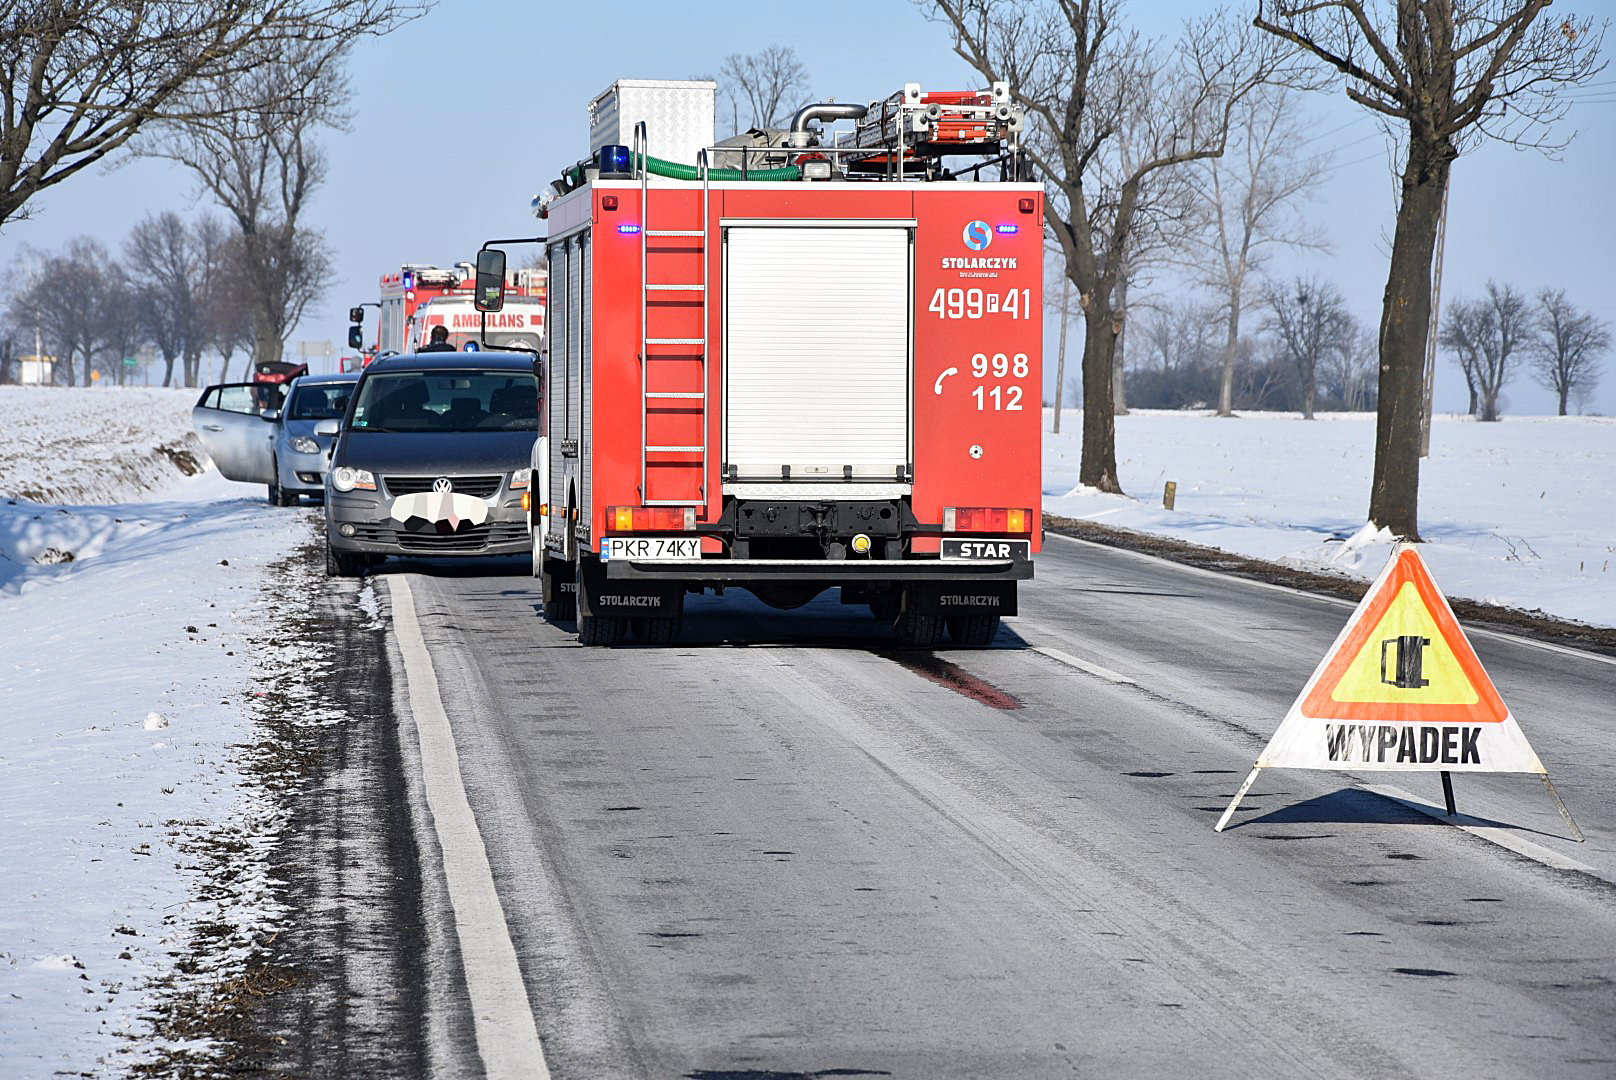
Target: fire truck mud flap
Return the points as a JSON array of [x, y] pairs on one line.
[[634, 598], [951, 598]]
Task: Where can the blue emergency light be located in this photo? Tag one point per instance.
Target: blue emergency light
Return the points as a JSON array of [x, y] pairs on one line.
[[1006, 229], [629, 229], [614, 160]]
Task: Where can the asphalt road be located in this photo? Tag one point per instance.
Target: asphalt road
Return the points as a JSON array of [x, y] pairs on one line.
[[783, 849]]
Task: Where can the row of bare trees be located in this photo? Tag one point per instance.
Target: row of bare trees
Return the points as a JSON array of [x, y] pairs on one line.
[[1121, 123], [234, 92], [177, 290], [1494, 337]]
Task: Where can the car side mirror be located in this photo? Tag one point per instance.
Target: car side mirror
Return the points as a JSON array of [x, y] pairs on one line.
[[270, 415], [328, 427], [490, 291]]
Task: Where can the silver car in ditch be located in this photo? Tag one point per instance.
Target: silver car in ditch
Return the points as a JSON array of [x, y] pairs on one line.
[[432, 458], [265, 433]]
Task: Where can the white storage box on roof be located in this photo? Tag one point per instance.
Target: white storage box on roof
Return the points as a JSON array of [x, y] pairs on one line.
[[678, 116]]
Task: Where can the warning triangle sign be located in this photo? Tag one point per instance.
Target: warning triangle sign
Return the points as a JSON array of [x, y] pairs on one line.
[[1401, 689]]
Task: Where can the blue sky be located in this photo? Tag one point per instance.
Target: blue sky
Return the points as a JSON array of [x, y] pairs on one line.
[[426, 173]]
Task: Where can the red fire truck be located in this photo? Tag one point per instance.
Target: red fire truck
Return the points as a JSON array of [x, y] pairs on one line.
[[818, 369]]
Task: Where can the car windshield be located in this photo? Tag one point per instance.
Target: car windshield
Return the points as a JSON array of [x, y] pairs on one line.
[[320, 401], [447, 401]]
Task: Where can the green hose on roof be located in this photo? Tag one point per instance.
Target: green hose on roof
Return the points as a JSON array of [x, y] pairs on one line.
[[678, 171]]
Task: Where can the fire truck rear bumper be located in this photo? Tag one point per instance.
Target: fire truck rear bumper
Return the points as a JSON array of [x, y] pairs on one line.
[[724, 571]]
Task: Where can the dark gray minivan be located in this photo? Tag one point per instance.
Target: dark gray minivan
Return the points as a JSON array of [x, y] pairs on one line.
[[432, 458]]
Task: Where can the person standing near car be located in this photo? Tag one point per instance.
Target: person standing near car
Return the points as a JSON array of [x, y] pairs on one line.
[[438, 341]]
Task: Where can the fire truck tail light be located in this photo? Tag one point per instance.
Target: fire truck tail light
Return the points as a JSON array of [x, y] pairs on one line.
[[1026, 206], [650, 518], [986, 519]]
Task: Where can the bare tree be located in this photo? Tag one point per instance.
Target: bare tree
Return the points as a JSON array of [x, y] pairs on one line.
[[1497, 328], [1249, 200], [79, 78], [1566, 346], [1461, 334], [773, 81], [1451, 73], [1083, 78], [1347, 374], [163, 258], [1310, 321], [62, 298], [122, 326], [261, 163]]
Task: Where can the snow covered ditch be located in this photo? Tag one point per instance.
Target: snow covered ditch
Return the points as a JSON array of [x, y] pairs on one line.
[[70, 445], [131, 659], [1520, 514]]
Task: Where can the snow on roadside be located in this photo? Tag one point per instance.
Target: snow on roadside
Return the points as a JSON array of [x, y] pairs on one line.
[[1520, 513], [126, 684], [70, 445]]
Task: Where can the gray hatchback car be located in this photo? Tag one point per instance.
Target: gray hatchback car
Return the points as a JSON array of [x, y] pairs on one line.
[[432, 458]]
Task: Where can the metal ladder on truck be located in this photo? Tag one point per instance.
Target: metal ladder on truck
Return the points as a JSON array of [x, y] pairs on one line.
[[653, 455]]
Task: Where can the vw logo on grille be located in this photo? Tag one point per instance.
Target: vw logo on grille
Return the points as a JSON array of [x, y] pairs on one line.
[[442, 484]]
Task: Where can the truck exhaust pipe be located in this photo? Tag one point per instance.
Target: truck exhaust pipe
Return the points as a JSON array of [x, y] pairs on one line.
[[823, 111]]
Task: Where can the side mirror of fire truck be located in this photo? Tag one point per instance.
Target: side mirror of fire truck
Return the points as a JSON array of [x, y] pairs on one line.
[[356, 337], [356, 314], [490, 291]]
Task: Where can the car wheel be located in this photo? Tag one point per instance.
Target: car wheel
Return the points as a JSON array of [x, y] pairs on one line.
[[973, 631], [342, 563]]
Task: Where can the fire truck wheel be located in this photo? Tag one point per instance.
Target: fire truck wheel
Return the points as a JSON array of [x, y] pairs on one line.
[[884, 607], [560, 608], [602, 629], [342, 563], [973, 631], [919, 631], [656, 631]]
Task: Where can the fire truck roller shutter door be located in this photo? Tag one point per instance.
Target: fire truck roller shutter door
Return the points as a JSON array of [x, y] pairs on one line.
[[817, 351]]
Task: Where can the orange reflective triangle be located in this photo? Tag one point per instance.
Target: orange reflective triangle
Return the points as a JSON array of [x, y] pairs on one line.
[[1403, 659]]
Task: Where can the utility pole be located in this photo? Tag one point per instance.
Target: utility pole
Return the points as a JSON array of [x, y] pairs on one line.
[[1431, 331], [1060, 362]]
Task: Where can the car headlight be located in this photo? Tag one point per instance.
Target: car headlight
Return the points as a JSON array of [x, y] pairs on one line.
[[344, 478], [305, 445], [520, 478]]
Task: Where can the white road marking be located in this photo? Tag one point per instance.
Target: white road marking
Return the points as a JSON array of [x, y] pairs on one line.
[[1337, 601], [507, 1040], [1504, 838], [1083, 665]]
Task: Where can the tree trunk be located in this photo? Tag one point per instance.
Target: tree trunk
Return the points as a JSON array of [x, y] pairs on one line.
[[1489, 404], [1404, 323], [1060, 355], [1119, 378], [89, 368], [1564, 393], [1470, 384], [1310, 389], [1231, 348], [168, 370], [1098, 468]]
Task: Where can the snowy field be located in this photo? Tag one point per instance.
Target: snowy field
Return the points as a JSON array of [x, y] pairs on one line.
[[126, 682], [1520, 513], [66, 445]]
